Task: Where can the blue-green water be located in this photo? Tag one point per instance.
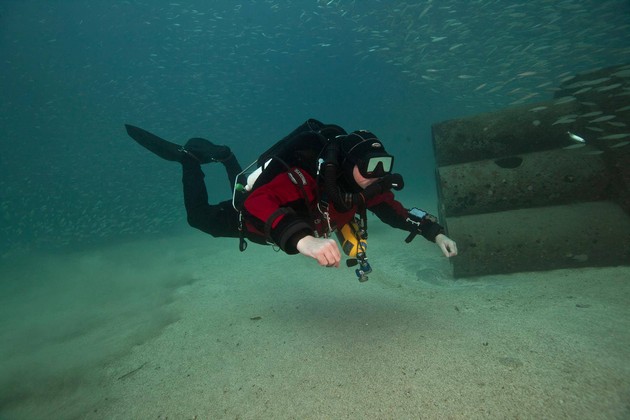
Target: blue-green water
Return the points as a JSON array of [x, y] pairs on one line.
[[245, 73], [73, 324]]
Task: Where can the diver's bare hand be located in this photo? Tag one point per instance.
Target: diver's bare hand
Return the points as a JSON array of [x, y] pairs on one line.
[[324, 250], [447, 245]]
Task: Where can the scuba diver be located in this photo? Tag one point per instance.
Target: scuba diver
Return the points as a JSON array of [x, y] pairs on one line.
[[316, 181]]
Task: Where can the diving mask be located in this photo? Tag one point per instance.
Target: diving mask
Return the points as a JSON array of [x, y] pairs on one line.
[[375, 165]]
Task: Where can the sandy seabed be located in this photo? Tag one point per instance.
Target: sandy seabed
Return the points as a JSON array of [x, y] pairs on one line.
[[188, 327]]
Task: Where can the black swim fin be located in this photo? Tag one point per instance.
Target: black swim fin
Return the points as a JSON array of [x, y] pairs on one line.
[[163, 148]]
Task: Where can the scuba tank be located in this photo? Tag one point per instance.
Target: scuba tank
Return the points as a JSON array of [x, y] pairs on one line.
[[253, 177], [353, 239], [300, 148]]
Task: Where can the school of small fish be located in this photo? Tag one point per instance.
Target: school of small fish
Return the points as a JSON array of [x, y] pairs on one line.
[[74, 66]]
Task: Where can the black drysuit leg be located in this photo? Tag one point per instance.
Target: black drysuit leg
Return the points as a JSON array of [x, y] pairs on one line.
[[218, 220]]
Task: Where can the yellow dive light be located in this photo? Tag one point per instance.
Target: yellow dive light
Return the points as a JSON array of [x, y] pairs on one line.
[[351, 239]]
